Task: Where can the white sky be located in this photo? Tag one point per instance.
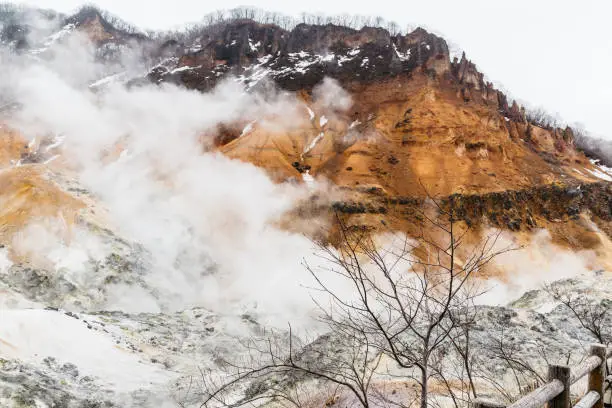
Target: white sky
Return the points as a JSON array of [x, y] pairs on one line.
[[551, 53]]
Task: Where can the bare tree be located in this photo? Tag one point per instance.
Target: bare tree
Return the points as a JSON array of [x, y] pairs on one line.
[[409, 298], [393, 28], [459, 377], [275, 367], [594, 317], [540, 117]]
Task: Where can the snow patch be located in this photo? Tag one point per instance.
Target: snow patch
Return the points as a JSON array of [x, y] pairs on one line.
[[31, 335], [51, 159], [248, 129], [310, 113], [342, 59], [600, 174], [301, 54], [255, 46], [308, 179], [57, 142], [349, 57], [323, 121], [302, 61], [184, 68], [253, 79], [108, 80], [313, 143], [54, 38], [264, 59], [403, 56]]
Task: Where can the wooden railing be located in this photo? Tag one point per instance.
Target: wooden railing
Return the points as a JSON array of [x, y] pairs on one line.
[[556, 393]]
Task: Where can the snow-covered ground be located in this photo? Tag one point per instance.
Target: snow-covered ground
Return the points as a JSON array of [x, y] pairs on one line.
[[31, 335], [601, 171]]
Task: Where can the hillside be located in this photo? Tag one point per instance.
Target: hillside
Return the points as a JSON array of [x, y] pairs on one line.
[[163, 197], [408, 122]]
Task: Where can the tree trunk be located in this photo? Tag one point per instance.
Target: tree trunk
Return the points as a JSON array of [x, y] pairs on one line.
[[424, 376], [468, 367]]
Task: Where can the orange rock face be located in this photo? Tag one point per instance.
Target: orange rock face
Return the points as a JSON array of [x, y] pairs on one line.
[[404, 134]]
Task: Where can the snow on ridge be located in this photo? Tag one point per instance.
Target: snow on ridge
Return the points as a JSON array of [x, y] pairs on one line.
[[303, 60], [310, 113], [255, 73], [313, 143], [248, 128], [342, 59], [354, 124], [301, 54], [265, 59], [299, 63], [54, 38], [601, 171], [57, 142], [600, 174], [323, 121], [32, 143], [255, 46], [108, 80], [51, 159], [251, 80], [602, 167], [351, 54], [403, 56], [184, 68]]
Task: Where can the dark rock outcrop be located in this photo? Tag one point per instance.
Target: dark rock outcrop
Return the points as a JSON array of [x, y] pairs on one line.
[[513, 210], [302, 57]]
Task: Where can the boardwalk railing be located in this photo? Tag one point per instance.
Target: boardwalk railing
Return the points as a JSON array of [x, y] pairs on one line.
[[556, 393]]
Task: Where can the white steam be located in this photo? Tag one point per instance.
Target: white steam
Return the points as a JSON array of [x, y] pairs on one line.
[[530, 267], [205, 221], [329, 95]]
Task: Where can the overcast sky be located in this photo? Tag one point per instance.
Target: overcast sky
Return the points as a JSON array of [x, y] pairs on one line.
[[551, 53]]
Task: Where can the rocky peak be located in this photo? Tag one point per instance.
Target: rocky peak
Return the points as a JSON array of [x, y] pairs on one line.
[[431, 50], [101, 27], [466, 73]]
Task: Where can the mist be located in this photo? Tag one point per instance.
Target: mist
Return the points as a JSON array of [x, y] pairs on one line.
[[202, 226], [538, 262]]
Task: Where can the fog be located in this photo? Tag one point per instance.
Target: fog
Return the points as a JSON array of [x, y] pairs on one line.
[[205, 223]]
